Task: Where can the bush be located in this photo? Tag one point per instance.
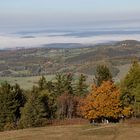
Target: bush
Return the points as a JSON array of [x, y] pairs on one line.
[[9, 126]]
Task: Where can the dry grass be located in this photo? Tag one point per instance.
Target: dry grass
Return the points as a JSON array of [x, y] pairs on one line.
[[76, 132]]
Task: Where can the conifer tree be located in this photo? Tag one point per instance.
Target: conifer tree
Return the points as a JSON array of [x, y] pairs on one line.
[[50, 86], [68, 85], [11, 100], [102, 74], [130, 88], [59, 84], [42, 83], [81, 86], [33, 114], [49, 101]]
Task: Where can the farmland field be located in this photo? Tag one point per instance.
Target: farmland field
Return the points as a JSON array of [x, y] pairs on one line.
[[76, 132], [25, 82]]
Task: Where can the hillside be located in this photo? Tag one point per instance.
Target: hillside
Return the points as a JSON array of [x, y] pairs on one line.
[[73, 132], [52, 59]]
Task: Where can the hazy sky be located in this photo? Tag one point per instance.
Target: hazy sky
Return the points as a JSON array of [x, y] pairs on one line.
[[68, 13]]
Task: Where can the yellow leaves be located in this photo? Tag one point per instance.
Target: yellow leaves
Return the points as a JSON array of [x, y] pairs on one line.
[[127, 111], [103, 101]]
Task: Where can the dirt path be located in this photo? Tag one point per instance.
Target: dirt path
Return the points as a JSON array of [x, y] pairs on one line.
[[102, 127]]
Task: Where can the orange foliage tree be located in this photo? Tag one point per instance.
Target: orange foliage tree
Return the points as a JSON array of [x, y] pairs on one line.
[[102, 103]]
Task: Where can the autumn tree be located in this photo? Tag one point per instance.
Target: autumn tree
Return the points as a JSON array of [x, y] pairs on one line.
[[67, 106], [103, 102], [102, 74]]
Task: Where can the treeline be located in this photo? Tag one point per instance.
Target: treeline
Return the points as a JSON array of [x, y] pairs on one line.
[[66, 97], [46, 101]]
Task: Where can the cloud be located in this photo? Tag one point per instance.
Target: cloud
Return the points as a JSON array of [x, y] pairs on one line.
[[12, 41]]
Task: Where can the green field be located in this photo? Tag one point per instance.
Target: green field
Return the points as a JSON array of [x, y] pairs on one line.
[[25, 82], [123, 71], [76, 132]]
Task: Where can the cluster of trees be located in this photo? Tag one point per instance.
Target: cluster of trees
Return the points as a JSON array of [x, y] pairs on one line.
[[111, 102], [46, 101], [68, 98]]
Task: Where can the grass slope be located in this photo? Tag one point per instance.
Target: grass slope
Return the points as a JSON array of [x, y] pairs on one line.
[[76, 132]]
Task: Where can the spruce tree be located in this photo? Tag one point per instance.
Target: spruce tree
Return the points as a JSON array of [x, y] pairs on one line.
[[102, 74], [42, 83], [11, 100], [50, 86], [49, 102], [33, 114], [59, 84], [81, 86], [68, 85], [137, 101], [130, 87]]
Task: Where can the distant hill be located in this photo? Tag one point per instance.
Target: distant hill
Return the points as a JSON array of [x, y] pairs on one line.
[[64, 45], [68, 57], [128, 43]]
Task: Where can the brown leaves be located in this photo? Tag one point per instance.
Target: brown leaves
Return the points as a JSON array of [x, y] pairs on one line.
[[103, 101], [67, 105]]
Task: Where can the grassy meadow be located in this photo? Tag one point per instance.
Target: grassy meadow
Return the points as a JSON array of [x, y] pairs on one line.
[[25, 82], [76, 132]]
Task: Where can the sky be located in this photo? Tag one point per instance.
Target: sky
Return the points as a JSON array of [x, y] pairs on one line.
[[68, 13], [18, 16]]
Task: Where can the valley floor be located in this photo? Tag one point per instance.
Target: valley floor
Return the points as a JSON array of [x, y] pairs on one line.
[[76, 132]]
